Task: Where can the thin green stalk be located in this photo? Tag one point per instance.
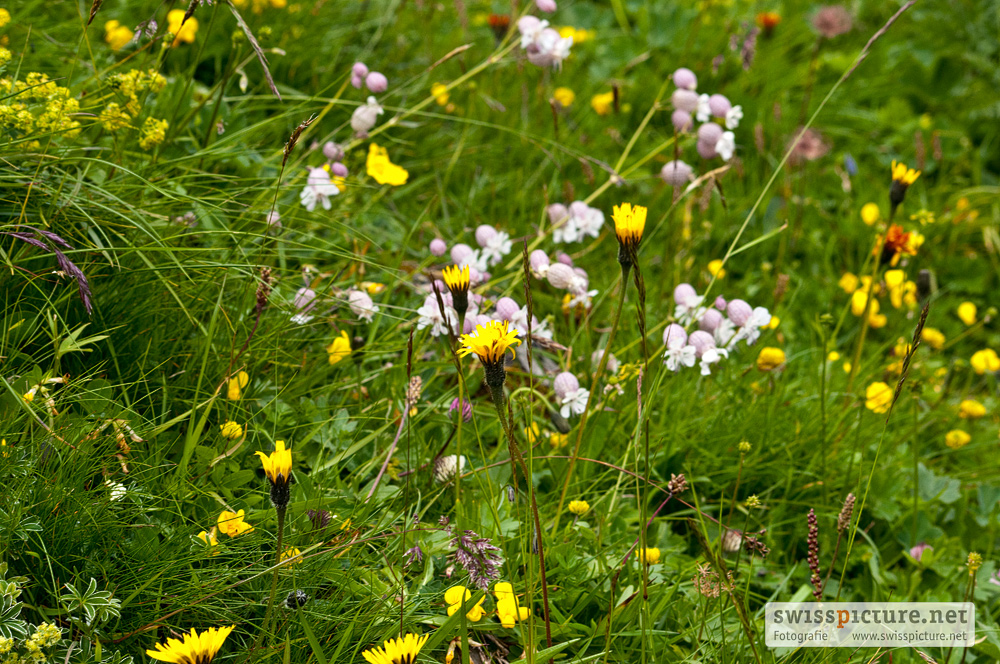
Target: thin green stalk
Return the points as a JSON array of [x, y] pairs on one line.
[[274, 577]]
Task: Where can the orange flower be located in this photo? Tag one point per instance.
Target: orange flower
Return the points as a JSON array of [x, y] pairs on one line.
[[768, 20], [897, 243]]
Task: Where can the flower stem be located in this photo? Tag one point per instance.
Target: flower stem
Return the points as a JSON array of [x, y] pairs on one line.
[[593, 389], [277, 561]]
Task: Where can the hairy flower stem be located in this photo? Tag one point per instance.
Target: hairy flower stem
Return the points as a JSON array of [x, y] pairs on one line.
[[593, 390], [873, 284], [274, 577], [517, 462]]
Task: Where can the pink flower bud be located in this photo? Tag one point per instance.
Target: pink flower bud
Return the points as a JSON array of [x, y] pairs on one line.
[[739, 312], [357, 81], [709, 133], [565, 384], [557, 212], [506, 308], [720, 303], [685, 100], [460, 252], [359, 69], [547, 6], [719, 105], [438, 247], [339, 169], [564, 258], [676, 173], [304, 299], [710, 320], [539, 261], [706, 150], [333, 151], [685, 78], [376, 82], [702, 341], [561, 276], [674, 336], [681, 120], [684, 293], [484, 234]]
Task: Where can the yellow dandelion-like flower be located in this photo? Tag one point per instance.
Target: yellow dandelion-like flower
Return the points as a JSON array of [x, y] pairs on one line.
[[194, 649], [579, 507], [339, 349], [457, 280], [490, 343], [878, 397], [903, 174], [397, 651], [630, 222], [277, 465], [183, 31]]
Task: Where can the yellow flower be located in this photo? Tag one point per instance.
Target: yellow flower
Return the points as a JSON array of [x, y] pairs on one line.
[[773, 325], [456, 278], [630, 222], [933, 337], [579, 35], [153, 132], [382, 170], [715, 268], [956, 438], [4, 17], [974, 562], [984, 361], [440, 93], [833, 356], [277, 466], [579, 507], [489, 342], [508, 609], [650, 556], [870, 213], [397, 651], [182, 32], [3, 448], [117, 35], [858, 301], [455, 596], [849, 282], [770, 358], [231, 430], [232, 523], [339, 349], [558, 439], [878, 397], [564, 97], [373, 287], [209, 538], [970, 409], [194, 649], [531, 432], [236, 384], [292, 553], [602, 103], [904, 175], [967, 313], [114, 117]]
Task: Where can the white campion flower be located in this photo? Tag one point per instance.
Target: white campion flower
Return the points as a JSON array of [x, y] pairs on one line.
[[733, 117], [679, 353], [566, 232], [724, 332], [710, 357], [571, 397], [704, 110], [690, 310], [588, 220], [495, 249], [362, 305], [365, 116], [531, 28], [726, 145], [750, 330], [430, 315], [318, 189]]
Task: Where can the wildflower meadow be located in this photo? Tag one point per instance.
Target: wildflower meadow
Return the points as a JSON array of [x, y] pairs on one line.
[[494, 331]]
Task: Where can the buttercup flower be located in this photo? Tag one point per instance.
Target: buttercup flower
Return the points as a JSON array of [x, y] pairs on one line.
[[878, 397], [232, 523], [967, 313], [508, 609], [603, 102], [117, 35], [403, 650], [278, 468], [902, 178], [985, 361], [933, 337], [579, 507], [195, 648], [564, 97], [231, 430], [649, 556], [236, 384], [715, 268], [456, 596], [629, 225], [382, 170], [490, 343], [294, 554], [340, 348], [183, 31], [870, 213], [956, 438], [440, 93], [970, 409], [770, 358]]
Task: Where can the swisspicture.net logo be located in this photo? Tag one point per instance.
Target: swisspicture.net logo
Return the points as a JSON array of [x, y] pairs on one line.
[[869, 624]]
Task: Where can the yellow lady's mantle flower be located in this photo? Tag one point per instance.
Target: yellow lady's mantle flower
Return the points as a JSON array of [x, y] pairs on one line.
[[117, 35], [878, 397], [985, 361], [183, 31], [397, 651], [114, 117], [153, 132], [970, 409], [603, 103], [236, 384], [579, 507], [956, 438], [489, 342], [630, 222], [232, 523], [455, 596], [770, 358], [508, 609], [194, 649], [650, 556], [231, 430], [339, 349], [564, 97], [382, 170], [967, 313]]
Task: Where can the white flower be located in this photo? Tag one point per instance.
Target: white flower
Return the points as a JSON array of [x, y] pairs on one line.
[[118, 490], [679, 355], [496, 248], [690, 310], [726, 145], [430, 316], [318, 189], [582, 298], [365, 116], [567, 231], [710, 357], [575, 402], [531, 29], [724, 332], [445, 467], [588, 220], [548, 48], [733, 117], [362, 305], [704, 111], [750, 331]]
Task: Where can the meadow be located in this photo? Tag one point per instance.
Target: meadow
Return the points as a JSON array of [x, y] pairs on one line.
[[493, 330]]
